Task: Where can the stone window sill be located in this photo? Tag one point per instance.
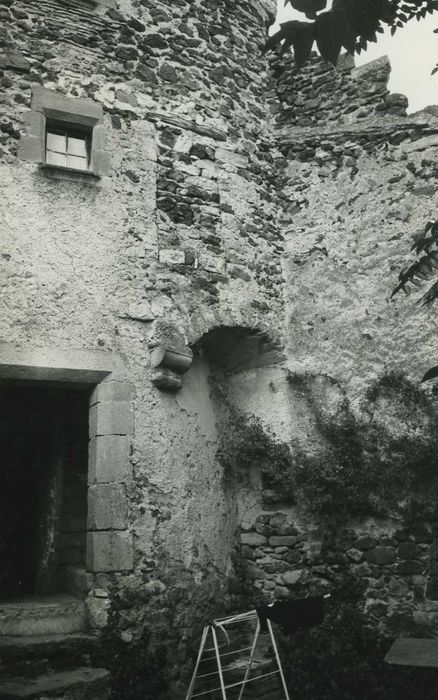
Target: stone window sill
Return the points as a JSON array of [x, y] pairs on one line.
[[64, 173]]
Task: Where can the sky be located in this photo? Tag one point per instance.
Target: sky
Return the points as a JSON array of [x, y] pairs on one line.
[[413, 52]]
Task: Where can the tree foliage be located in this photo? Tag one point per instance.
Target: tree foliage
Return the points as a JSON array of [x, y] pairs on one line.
[[424, 268], [349, 24]]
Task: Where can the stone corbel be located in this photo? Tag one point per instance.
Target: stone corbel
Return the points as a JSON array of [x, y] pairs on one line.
[[170, 359]]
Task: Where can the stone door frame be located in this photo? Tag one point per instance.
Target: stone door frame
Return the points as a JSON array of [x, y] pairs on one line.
[[111, 425]]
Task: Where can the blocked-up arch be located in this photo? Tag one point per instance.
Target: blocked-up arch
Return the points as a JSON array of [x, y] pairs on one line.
[[236, 349]]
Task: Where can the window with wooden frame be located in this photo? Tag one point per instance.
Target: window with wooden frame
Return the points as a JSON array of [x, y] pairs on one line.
[[67, 146], [65, 134]]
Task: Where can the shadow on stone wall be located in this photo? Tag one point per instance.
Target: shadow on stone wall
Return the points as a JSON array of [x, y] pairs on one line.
[[360, 501]]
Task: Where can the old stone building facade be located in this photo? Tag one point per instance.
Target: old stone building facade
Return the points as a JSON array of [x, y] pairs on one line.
[[190, 233]]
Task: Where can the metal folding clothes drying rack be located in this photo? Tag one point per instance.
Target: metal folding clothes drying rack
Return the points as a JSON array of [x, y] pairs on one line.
[[210, 630]]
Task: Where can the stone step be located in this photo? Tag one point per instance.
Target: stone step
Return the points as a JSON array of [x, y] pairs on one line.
[[27, 656], [56, 614], [79, 684], [46, 644]]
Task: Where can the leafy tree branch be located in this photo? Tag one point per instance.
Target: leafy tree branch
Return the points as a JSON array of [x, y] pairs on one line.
[[424, 268], [349, 24]]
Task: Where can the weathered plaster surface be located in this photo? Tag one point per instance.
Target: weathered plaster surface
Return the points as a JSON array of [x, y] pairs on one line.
[[282, 203], [341, 274], [359, 182]]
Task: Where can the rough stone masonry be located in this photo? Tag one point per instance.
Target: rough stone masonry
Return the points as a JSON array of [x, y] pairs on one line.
[[233, 248]]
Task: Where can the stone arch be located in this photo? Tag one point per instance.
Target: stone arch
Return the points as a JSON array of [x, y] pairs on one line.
[[244, 363], [254, 370], [225, 366], [238, 348], [232, 347], [205, 320]]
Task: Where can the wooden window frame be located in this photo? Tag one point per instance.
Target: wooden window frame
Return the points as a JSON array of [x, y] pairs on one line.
[[69, 131]]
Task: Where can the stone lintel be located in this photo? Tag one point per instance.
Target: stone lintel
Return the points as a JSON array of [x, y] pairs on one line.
[[189, 124], [77, 110], [52, 364], [369, 128]]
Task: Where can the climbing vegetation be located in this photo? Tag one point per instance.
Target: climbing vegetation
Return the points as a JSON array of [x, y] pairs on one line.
[[248, 444], [137, 670], [352, 468], [424, 268]]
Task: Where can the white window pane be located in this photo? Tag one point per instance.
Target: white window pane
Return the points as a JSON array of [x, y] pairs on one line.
[[77, 147], [76, 162], [56, 142], [55, 158]]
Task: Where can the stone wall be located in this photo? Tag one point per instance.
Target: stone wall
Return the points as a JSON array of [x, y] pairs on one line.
[[393, 564], [216, 169], [319, 94], [171, 151], [358, 182], [355, 194], [356, 494], [177, 238]]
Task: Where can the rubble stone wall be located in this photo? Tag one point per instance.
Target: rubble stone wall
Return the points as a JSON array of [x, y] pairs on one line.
[[172, 217], [356, 192], [319, 94], [358, 182], [288, 558], [280, 202], [177, 239]]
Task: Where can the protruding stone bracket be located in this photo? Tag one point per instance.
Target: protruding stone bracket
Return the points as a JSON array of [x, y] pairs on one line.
[[169, 365], [171, 357]]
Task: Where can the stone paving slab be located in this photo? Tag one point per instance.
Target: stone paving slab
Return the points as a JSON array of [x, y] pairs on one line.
[[414, 652]]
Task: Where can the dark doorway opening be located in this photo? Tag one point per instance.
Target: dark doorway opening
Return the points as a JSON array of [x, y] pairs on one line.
[[43, 486]]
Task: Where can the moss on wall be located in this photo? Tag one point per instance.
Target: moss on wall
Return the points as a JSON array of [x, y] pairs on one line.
[[380, 462]]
